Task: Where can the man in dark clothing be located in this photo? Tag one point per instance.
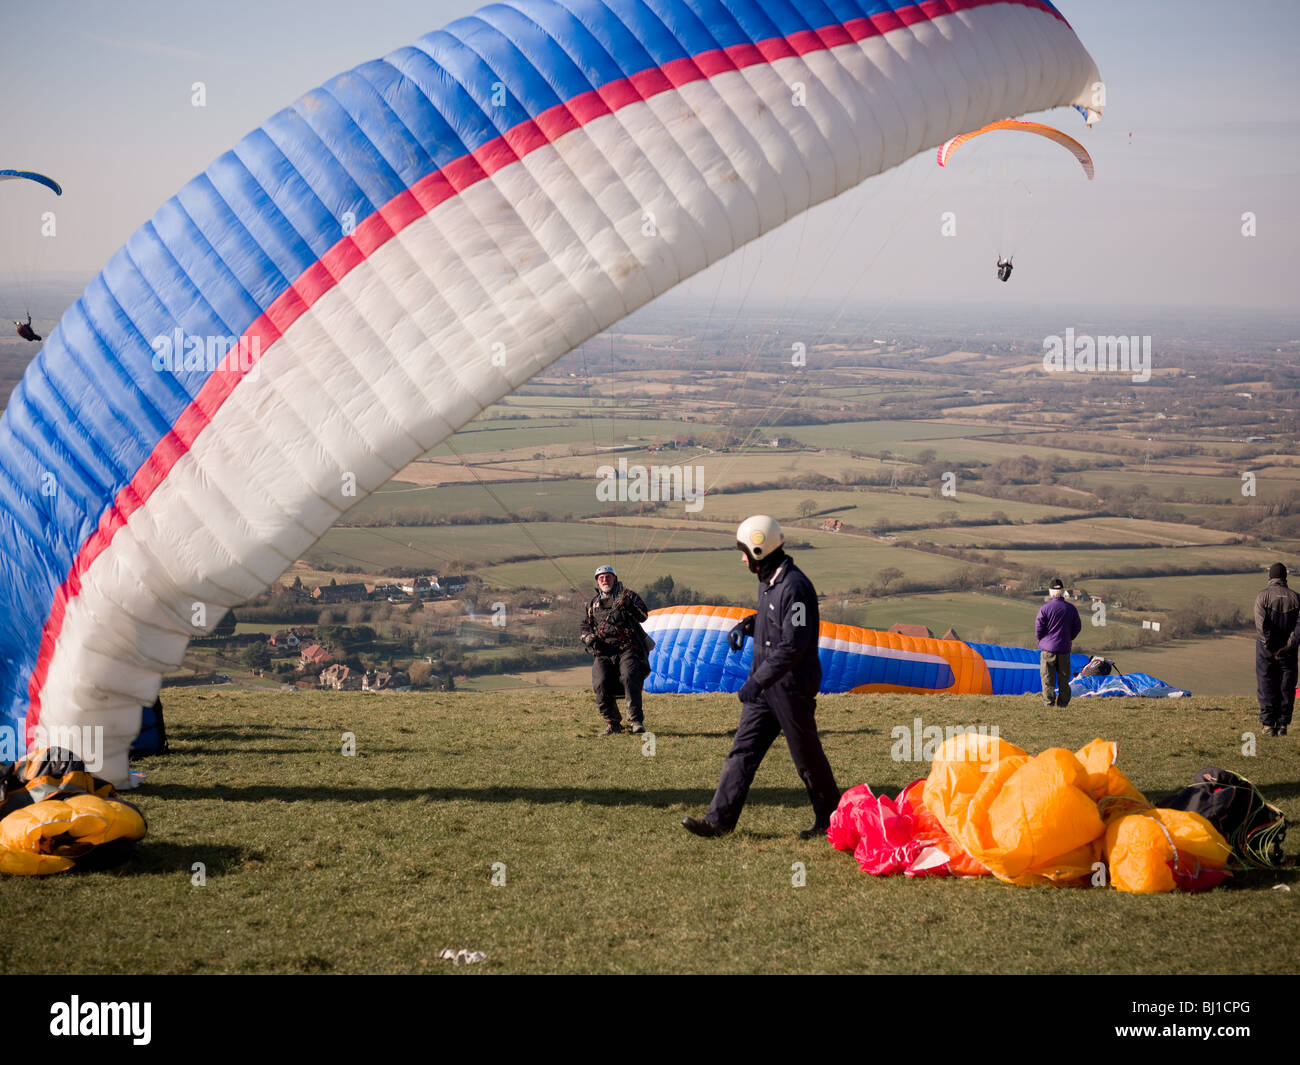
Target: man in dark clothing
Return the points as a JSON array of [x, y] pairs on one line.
[[1056, 627], [611, 631], [1277, 637], [26, 331], [780, 695], [1004, 269]]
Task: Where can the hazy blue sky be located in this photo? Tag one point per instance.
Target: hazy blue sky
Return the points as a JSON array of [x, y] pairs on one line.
[[98, 95]]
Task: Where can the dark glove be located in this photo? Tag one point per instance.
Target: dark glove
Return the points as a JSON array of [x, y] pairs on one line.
[[736, 637], [750, 692]]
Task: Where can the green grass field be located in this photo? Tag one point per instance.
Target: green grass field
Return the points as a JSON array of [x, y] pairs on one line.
[[1120, 562], [873, 436], [448, 548], [1166, 593], [1099, 531], [1226, 489], [495, 499], [313, 862], [835, 563], [502, 435], [720, 468]]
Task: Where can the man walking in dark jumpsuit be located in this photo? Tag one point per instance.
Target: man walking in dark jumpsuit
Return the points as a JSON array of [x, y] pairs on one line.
[[1277, 611], [780, 695], [611, 631]]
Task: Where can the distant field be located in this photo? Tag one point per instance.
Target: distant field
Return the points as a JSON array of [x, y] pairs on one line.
[[448, 548], [1166, 593], [1101, 531], [1125, 561], [961, 449], [918, 507], [872, 436], [720, 469], [1225, 489], [1217, 665], [504, 435], [968, 612], [496, 499], [845, 563], [576, 677]]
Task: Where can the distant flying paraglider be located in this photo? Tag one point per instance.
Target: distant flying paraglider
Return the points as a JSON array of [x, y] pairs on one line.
[[30, 175], [1038, 129], [24, 329]]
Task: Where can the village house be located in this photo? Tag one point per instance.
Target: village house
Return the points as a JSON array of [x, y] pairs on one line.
[[313, 657], [377, 680], [917, 631], [341, 678], [341, 593]]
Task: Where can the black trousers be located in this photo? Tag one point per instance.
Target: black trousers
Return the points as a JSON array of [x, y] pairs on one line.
[[614, 675], [1276, 679], [777, 711]]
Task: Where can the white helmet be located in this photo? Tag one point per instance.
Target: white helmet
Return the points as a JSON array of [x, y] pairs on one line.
[[759, 536]]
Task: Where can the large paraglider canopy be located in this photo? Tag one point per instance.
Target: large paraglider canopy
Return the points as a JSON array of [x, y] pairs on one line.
[[405, 246]]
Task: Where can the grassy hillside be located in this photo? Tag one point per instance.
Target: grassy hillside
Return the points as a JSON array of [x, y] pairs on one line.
[[317, 862]]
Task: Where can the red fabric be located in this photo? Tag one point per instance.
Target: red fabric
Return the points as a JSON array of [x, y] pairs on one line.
[[1191, 876], [933, 837], [843, 833], [889, 836], [886, 843]]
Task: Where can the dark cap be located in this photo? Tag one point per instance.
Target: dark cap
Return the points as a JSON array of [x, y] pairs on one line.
[[1276, 570], [1057, 583]]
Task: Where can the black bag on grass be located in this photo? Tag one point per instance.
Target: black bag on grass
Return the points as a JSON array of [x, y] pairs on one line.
[[1234, 806]]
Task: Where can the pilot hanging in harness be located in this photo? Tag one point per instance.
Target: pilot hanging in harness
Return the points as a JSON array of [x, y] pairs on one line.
[[25, 329], [1004, 269]]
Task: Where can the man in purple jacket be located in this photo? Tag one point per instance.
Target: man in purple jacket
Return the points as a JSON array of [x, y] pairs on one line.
[[1057, 625]]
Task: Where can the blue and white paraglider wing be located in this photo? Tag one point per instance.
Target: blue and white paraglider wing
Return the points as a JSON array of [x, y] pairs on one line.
[[397, 250]]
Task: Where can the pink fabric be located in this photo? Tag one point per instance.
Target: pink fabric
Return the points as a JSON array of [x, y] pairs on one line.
[[844, 833], [887, 842]]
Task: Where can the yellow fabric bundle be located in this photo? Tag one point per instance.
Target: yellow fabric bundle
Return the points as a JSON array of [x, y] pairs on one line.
[[50, 835], [1053, 817]]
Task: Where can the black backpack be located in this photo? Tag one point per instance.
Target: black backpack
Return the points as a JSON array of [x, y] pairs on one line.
[[1232, 804], [1098, 667]]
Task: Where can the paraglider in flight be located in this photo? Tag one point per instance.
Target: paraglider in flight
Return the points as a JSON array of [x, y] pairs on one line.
[[403, 247], [26, 331], [1004, 268], [1069, 143], [28, 175]]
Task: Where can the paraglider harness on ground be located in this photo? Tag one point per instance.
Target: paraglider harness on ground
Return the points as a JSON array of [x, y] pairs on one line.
[[1100, 667], [54, 815], [1253, 826]]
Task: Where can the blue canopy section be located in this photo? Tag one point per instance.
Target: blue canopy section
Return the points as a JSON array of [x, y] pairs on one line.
[[1130, 685], [697, 660], [1018, 670]]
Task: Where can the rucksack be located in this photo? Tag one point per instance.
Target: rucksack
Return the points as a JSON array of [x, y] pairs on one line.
[[1098, 667], [1233, 805]]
